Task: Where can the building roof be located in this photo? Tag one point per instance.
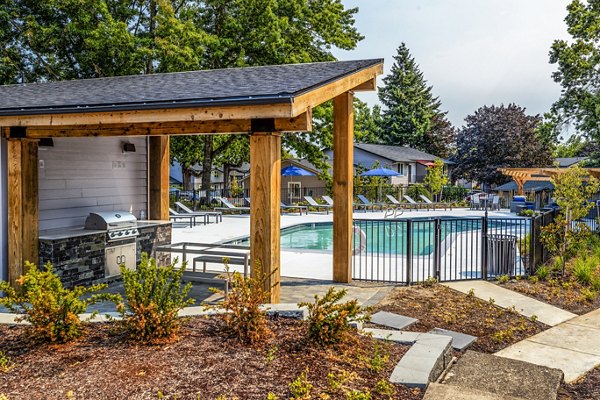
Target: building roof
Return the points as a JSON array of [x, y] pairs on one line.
[[529, 186], [224, 87], [397, 153], [565, 162]]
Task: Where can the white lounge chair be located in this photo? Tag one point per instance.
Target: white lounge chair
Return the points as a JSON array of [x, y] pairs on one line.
[[435, 204], [313, 203], [188, 211], [416, 204], [284, 206], [230, 206], [175, 216]]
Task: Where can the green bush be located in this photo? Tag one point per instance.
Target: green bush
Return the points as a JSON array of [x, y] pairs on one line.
[[417, 189], [543, 272], [52, 310], [154, 296], [244, 316], [328, 319], [452, 193], [300, 388], [584, 270]]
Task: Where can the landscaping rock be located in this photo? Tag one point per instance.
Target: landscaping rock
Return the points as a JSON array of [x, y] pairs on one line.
[[437, 391], [392, 320], [504, 377], [460, 341], [286, 310]]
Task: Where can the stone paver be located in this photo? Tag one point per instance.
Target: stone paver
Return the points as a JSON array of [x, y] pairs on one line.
[[546, 313], [437, 391], [424, 362], [504, 377], [460, 341], [392, 320], [573, 346]]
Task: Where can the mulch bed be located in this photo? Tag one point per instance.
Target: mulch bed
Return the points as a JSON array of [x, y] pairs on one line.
[[561, 292], [438, 306], [205, 363], [587, 388]]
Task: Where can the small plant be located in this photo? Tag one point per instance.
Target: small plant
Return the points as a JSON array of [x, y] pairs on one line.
[[300, 388], [271, 396], [52, 310], [503, 335], [3, 396], [358, 395], [328, 319], [588, 295], [584, 270], [533, 318], [429, 282], [337, 381], [471, 293], [380, 358], [244, 316], [384, 388], [503, 279], [154, 296], [542, 273], [491, 301], [534, 279], [271, 353], [6, 363]]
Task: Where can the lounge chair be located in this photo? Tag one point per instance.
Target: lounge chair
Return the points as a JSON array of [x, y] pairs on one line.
[[284, 206], [394, 208], [230, 207], [415, 203], [313, 203], [366, 203], [495, 203], [175, 216], [329, 201], [187, 211], [475, 202], [435, 205]]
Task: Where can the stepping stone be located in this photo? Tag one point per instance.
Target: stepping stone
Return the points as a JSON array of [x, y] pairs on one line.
[[460, 341], [504, 377], [392, 320], [437, 391]]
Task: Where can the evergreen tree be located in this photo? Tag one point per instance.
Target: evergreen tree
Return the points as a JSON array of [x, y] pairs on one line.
[[411, 111]]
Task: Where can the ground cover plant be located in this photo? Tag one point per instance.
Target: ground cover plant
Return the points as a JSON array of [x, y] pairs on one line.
[[437, 306]]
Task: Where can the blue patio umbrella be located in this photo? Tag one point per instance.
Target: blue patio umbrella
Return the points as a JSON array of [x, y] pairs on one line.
[[292, 170], [380, 172]]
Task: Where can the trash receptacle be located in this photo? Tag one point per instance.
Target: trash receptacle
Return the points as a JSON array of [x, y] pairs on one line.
[[501, 255]]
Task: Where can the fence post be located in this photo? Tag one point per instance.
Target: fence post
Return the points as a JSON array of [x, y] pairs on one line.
[[532, 245], [409, 252], [436, 248], [484, 248]]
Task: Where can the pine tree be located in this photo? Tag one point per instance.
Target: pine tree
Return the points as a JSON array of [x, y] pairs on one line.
[[409, 105]]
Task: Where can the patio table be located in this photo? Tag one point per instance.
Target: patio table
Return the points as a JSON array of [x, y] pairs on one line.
[[208, 249]]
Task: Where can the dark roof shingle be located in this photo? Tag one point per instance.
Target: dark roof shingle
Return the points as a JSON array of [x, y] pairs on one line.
[[396, 153], [234, 86]]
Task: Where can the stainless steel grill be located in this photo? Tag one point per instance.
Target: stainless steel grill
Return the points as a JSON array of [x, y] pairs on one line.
[[119, 225]]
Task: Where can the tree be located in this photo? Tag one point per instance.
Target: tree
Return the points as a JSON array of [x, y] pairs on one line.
[[578, 71], [576, 146], [436, 179], [412, 116], [499, 137]]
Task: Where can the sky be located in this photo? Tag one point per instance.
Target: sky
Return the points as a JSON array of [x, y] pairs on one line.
[[473, 52]]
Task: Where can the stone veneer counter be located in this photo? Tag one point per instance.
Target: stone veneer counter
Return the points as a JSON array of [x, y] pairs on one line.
[[79, 257]]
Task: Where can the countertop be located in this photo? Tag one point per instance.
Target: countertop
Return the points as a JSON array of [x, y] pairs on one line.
[[65, 233]]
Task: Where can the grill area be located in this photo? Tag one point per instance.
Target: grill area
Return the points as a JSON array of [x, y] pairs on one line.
[[122, 230]]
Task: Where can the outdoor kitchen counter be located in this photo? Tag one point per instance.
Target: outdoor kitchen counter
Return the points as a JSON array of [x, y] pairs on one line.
[[65, 233]]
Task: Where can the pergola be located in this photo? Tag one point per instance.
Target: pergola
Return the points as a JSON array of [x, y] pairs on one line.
[[262, 102], [522, 175]]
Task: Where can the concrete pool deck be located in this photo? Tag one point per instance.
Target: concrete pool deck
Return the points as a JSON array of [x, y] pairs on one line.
[[301, 263]]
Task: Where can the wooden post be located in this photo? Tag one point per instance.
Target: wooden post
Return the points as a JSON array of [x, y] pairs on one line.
[[520, 182], [343, 174], [265, 195], [23, 228], [159, 178]]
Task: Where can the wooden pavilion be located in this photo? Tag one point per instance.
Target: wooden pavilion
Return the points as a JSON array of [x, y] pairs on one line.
[[263, 102], [522, 175]]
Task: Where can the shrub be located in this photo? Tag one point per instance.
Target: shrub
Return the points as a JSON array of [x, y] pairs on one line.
[[300, 388], [588, 295], [328, 319], [358, 395], [52, 310], [584, 269], [384, 388], [244, 315], [503, 279], [417, 189], [542, 273], [154, 296], [6, 363]]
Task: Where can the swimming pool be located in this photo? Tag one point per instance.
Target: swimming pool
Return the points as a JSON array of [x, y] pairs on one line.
[[384, 237]]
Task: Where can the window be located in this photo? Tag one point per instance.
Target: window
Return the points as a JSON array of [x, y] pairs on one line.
[[401, 169]]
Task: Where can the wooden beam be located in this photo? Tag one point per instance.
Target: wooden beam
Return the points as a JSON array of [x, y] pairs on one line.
[[343, 174], [215, 113], [368, 86], [301, 123], [159, 178], [22, 206], [265, 195], [334, 89]]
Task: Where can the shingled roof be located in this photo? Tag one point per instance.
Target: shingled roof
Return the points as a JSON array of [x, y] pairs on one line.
[[396, 153], [233, 86]]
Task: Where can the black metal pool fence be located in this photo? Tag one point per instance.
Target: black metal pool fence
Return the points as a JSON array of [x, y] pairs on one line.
[[408, 251]]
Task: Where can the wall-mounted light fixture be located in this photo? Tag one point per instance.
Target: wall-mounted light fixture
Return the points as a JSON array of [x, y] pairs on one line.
[[128, 147], [46, 142]]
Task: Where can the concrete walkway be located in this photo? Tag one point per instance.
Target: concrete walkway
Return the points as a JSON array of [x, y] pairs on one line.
[[573, 346], [505, 298]]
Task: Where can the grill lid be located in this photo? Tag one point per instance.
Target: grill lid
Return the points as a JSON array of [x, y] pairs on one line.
[[109, 220]]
